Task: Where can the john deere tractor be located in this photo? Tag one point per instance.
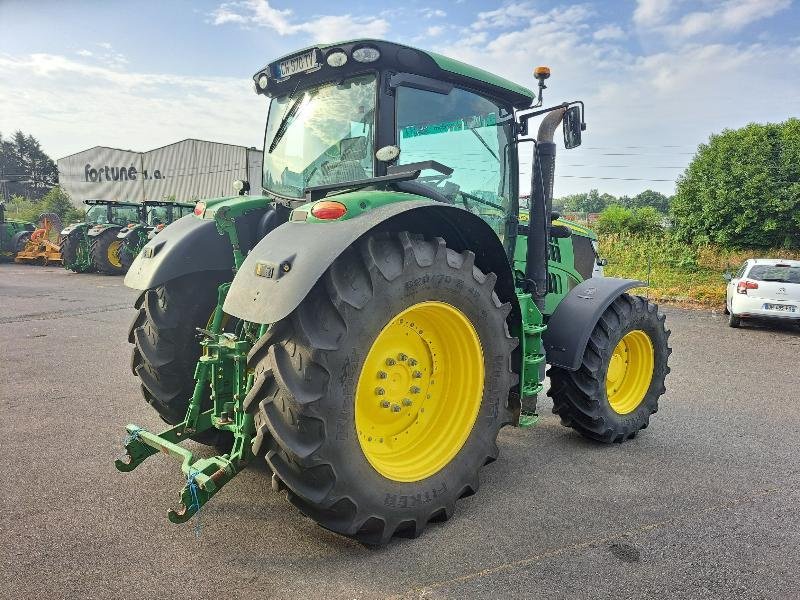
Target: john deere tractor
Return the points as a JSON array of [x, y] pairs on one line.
[[371, 320], [93, 244], [13, 234], [134, 236]]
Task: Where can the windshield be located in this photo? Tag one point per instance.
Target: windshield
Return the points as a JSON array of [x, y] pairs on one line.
[[467, 133], [97, 214], [320, 136], [157, 215], [780, 273]]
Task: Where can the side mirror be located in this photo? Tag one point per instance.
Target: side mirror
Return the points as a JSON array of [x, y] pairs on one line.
[[573, 125], [727, 276]]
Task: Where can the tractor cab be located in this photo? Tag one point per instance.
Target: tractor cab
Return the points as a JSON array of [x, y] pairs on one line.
[[372, 113], [164, 212], [104, 212]]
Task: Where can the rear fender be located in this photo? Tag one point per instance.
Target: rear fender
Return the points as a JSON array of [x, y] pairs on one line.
[[130, 232], [72, 228], [283, 267], [188, 245], [569, 328], [100, 228]]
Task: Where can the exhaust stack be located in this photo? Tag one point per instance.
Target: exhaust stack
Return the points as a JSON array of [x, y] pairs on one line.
[[544, 163]]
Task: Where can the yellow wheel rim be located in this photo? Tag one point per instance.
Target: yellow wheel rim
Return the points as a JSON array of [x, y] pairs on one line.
[[419, 391], [113, 253], [630, 371]]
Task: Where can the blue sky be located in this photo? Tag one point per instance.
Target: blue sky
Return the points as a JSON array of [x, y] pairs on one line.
[[658, 77]]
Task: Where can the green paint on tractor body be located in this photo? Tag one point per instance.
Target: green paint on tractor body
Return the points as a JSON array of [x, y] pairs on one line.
[[222, 365], [13, 234]]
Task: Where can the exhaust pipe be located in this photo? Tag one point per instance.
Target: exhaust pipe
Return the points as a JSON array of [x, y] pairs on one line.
[[544, 164]]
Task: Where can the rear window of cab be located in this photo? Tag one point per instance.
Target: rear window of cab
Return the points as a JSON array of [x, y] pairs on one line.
[[779, 273]]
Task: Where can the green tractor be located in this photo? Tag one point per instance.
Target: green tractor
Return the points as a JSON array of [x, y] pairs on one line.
[[13, 235], [134, 236], [93, 245], [370, 322]]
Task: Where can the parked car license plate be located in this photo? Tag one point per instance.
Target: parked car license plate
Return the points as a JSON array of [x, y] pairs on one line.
[[781, 307], [296, 64]]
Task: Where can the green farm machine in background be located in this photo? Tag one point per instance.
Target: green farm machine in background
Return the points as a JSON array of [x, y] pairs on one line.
[[13, 234], [93, 244], [370, 322], [134, 236]]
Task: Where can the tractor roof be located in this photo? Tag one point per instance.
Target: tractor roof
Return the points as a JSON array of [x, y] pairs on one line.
[[397, 57]]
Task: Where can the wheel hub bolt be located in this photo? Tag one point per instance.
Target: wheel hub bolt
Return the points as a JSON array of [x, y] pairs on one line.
[[380, 391], [395, 408], [415, 389], [402, 356], [412, 362], [385, 404], [382, 375], [407, 402], [390, 361], [417, 374]]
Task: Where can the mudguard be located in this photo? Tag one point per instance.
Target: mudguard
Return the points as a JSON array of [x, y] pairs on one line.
[[187, 245], [70, 228], [283, 267], [569, 328], [96, 230], [128, 232]]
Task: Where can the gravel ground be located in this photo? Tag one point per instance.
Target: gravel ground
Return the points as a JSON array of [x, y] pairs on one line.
[[703, 504]]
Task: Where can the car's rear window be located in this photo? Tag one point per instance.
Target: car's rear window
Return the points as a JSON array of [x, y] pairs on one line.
[[782, 273]]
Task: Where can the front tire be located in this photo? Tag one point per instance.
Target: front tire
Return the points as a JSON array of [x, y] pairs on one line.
[[75, 253], [105, 252], [342, 385], [621, 377]]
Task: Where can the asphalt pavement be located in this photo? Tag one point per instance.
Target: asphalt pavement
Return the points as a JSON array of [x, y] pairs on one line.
[[705, 503]]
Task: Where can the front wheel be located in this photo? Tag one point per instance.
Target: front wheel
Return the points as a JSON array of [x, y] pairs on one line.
[[380, 397], [621, 377], [75, 253], [105, 251]]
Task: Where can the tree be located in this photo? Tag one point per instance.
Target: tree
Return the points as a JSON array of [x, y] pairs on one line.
[[651, 198], [742, 189], [592, 202], [24, 167], [57, 201]]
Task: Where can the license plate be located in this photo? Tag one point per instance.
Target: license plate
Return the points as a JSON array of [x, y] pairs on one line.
[[781, 307], [296, 64]]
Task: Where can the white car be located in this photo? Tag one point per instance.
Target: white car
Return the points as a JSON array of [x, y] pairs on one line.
[[764, 288]]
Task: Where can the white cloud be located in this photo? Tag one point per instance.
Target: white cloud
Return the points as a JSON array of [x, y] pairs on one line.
[[650, 12], [434, 31], [72, 104], [430, 13], [609, 32], [724, 17], [84, 52], [511, 14], [322, 28], [676, 96]]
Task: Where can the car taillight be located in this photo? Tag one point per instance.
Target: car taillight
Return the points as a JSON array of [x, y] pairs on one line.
[[745, 285], [199, 209]]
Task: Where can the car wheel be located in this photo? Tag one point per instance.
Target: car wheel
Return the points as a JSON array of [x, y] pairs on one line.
[[733, 320]]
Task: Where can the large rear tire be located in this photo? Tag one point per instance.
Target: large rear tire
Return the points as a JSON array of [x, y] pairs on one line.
[[611, 396], [397, 325], [166, 348], [105, 250]]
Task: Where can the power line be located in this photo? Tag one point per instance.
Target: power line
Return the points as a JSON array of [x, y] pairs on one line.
[[613, 178]]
